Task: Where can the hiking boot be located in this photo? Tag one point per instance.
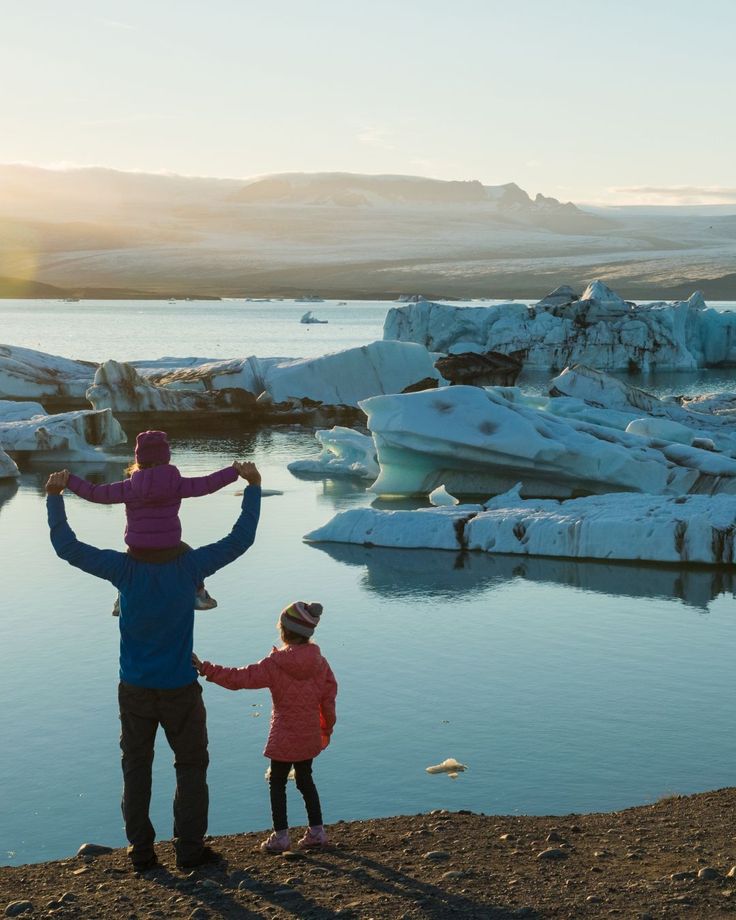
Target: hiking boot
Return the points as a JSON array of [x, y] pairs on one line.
[[206, 857], [203, 600], [277, 842], [314, 838], [145, 865]]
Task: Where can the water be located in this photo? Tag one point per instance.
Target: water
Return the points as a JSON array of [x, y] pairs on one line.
[[564, 686]]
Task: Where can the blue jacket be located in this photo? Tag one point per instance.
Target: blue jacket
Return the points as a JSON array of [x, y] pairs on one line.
[[156, 599]]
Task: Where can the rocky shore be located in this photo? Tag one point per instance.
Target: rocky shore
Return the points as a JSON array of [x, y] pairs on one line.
[[675, 858]]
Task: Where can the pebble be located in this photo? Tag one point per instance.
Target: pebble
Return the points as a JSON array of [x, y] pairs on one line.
[[709, 874], [593, 899], [555, 837], [552, 853], [292, 854], [731, 872], [682, 876], [437, 855], [199, 913], [452, 874], [283, 892], [209, 883], [14, 908], [506, 837], [93, 849], [83, 871], [68, 897]]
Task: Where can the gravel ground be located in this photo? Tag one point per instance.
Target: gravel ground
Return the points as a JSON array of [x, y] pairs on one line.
[[670, 859]]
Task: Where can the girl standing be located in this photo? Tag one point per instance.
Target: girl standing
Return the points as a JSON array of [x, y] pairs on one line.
[[303, 689]]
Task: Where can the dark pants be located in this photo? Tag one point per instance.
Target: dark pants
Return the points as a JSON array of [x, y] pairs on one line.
[[182, 714], [304, 783]]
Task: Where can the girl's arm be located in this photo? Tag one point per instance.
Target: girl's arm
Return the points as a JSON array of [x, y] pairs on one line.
[[252, 677], [327, 717], [109, 493], [195, 486]]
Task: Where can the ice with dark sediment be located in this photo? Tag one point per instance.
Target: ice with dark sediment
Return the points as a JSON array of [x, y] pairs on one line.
[[8, 466], [26, 374], [80, 435], [627, 527], [481, 442], [598, 328]]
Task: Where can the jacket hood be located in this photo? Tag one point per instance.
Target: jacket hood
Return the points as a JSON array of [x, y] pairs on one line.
[[157, 482], [299, 661]]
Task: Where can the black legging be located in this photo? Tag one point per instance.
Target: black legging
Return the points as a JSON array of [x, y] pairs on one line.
[[305, 785]]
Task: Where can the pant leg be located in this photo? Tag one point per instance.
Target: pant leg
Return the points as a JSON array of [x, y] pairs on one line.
[[138, 724], [184, 720], [305, 785], [277, 789]]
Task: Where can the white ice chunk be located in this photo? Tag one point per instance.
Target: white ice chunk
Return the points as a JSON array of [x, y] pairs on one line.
[[344, 453], [8, 468], [625, 527], [29, 374], [433, 528], [450, 766], [599, 329], [345, 377], [440, 496], [483, 441], [69, 435]]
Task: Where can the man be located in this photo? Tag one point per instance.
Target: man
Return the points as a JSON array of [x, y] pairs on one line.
[[158, 683]]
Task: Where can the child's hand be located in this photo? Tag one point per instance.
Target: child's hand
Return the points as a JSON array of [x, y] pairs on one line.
[[57, 482], [325, 740], [197, 663], [248, 471]]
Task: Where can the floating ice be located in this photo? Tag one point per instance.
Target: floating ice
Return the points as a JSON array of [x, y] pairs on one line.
[[67, 436], [599, 329], [309, 318], [450, 766], [440, 496], [344, 453], [119, 387], [627, 527], [8, 468], [344, 378], [28, 374], [481, 442]]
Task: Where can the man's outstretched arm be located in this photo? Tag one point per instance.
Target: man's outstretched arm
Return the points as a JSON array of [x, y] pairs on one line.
[[104, 563], [214, 556]]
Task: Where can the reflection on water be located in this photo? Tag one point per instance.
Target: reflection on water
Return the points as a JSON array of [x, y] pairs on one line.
[[440, 573]]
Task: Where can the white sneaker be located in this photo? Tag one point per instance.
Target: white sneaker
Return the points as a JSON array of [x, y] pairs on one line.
[[203, 600], [277, 842]]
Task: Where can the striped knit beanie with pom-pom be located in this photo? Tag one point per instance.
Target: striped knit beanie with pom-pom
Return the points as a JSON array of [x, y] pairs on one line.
[[301, 617]]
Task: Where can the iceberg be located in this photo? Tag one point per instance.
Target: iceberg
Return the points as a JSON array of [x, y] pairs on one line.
[[309, 319], [77, 435], [26, 374], [687, 421], [598, 329], [8, 467], [120, 388], [626, 527], [344, 453], [344, 378], [481, 442], [206, 375]]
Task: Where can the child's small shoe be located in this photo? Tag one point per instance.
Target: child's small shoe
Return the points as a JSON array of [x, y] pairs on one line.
[[314, 838], [203, 600], [277, 842], [116, 607]]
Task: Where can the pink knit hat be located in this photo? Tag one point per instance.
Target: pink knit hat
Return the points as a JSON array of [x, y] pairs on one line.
[[152, 447], [301, 618]]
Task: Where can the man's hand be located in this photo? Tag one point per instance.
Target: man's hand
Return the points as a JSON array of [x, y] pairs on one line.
[[249, 472], [57, 482], [197, 663]]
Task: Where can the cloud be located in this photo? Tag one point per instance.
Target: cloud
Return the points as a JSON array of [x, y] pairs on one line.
[[675, 194], [376, 136]]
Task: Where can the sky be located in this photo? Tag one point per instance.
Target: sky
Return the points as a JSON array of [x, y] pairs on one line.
[[625, 102]]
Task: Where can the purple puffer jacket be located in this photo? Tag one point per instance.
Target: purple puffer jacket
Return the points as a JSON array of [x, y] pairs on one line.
[[152, 499]]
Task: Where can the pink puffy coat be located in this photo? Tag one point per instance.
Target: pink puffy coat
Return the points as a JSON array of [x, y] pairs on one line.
[[303, 689], [152, 500]]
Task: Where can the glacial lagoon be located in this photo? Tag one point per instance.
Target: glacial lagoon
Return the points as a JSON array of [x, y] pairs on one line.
[[564, 686]]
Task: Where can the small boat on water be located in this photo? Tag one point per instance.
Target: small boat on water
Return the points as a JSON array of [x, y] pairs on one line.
[[309, 318]]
